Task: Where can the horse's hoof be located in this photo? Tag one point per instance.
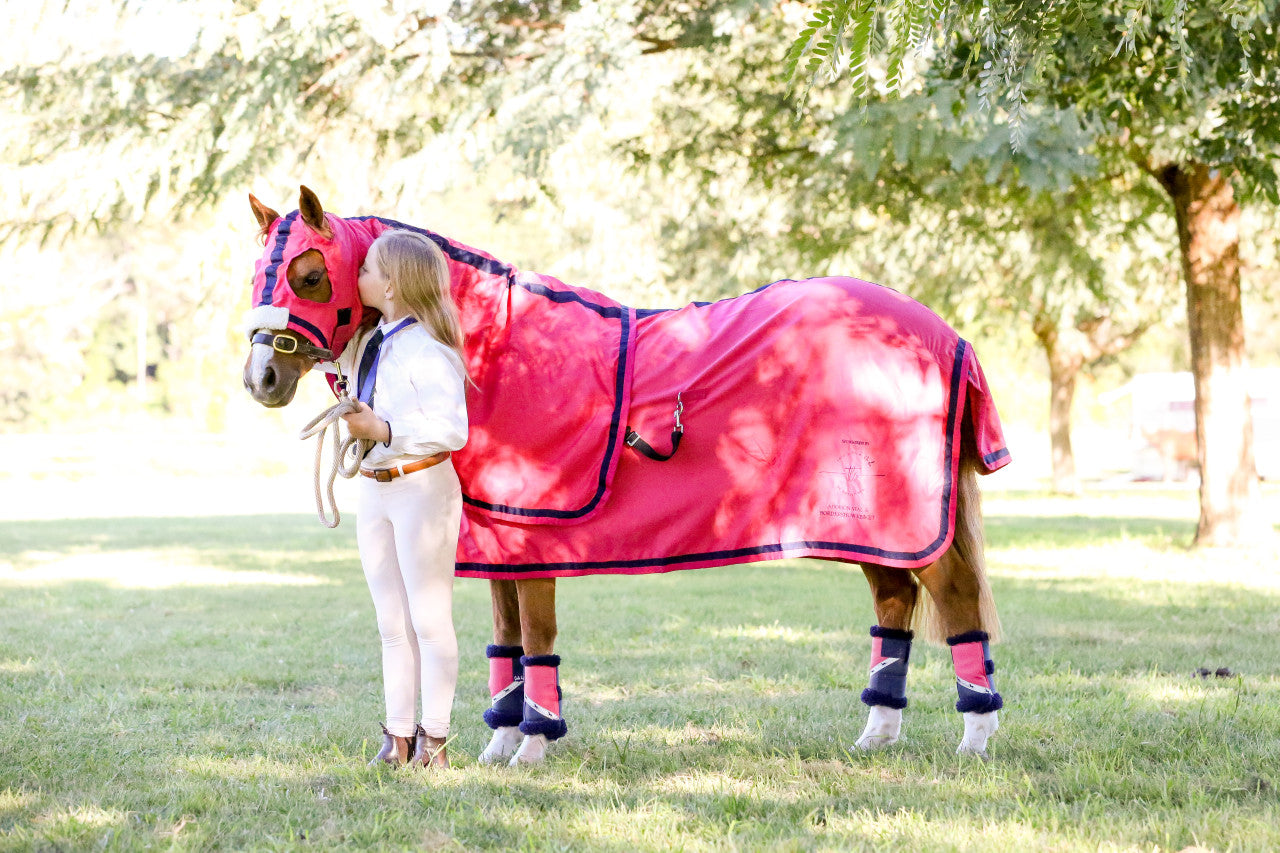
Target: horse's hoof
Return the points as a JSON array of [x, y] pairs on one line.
[[883, 727], [532, 751], [978, 729], [505, 741], [871, 743]]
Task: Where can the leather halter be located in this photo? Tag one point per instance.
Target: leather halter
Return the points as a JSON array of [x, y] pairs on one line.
[[290, 345]]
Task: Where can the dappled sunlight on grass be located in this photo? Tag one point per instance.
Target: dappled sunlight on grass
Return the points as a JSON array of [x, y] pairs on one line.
[[1136, 560], [150, 569], [244, 769], [1219, 695], [17, 667], [778, 631], [704, 782], [82, 817], [14, 800], [644, 825], [915, 829]]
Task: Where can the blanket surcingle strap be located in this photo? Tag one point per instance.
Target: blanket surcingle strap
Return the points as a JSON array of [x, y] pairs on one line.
[[634, 440]]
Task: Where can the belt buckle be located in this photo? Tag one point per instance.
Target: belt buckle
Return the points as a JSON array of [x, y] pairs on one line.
[[384, 475]]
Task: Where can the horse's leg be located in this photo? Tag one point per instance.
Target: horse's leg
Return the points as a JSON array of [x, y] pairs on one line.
[[542, 721], [965, 613], [506, 675], [894, 594]]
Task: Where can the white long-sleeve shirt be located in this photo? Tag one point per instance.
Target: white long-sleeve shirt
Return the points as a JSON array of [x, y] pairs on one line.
[[420, 390]]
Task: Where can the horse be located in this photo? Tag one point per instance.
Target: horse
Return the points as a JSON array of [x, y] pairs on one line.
[[825, 417]]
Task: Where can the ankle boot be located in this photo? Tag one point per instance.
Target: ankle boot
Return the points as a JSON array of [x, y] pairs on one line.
[[395, 750], [429, 751]]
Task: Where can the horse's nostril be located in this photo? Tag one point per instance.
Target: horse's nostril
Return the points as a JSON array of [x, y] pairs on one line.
[[269, 378]]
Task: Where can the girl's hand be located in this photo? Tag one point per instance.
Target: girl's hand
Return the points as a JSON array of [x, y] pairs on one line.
[[363, 423]]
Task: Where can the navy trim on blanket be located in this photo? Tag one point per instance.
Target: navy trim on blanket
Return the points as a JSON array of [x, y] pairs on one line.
[[642, 313], [991, 458], [610, 450], [528, 282], [854, 552], [321, 340], [277, 258]]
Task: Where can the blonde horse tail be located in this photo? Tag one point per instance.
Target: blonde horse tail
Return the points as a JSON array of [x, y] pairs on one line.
[[967, 553]]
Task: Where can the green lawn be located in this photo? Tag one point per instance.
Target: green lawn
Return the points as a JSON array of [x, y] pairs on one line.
[[200, 683]]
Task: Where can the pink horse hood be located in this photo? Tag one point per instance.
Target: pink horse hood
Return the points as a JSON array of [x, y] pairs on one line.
[[329, 325]]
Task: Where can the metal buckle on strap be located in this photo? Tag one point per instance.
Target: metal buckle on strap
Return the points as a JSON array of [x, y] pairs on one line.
[[384, 475], [289, 345]]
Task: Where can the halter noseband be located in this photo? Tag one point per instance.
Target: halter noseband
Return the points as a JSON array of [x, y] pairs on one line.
[[290, 345]]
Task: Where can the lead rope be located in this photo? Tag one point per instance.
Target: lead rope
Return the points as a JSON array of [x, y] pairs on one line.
[[342, 447]]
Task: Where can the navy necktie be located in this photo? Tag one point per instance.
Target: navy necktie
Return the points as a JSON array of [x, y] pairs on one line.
[[364, 382], [367, 375]]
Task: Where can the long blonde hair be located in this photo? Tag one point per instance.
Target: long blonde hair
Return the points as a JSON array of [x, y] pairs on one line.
[[419, 274]]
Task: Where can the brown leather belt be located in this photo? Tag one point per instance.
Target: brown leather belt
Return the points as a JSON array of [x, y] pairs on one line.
[[386, 475]]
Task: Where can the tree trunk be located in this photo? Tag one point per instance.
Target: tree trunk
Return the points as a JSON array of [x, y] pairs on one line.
[[1063, 372], [1209, 233], [1064, 369]]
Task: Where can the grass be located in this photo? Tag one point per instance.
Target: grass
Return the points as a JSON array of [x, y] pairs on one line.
[[198, 683]]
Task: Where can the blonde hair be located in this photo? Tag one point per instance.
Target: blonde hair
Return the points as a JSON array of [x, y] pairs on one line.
[[419, 273]]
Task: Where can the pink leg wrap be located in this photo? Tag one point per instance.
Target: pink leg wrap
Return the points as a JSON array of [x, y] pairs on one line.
[[540, 687], [542, 697], [970, 665], [506, 682], [971, 656], [501, 674]]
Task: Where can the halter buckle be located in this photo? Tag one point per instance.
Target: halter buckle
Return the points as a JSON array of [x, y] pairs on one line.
[[284, 344]]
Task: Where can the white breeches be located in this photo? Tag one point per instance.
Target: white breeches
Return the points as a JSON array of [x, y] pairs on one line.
[[407, 531]]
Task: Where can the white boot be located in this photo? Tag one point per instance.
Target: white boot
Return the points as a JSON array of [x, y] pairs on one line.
[[532, 751], [505, 741], [978, 729], [884, 724]]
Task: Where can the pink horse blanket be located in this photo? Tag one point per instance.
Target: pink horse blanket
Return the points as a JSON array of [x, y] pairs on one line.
[[822, 418]]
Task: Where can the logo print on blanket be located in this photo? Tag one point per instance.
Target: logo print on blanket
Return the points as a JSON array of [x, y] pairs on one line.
[[857, 469]]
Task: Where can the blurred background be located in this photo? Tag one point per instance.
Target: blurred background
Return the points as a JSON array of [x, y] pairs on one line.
[[656, 151]]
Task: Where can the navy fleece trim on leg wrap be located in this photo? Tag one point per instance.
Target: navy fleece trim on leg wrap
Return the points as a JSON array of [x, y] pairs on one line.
[[890, 656], [970, 637], [507, 708]]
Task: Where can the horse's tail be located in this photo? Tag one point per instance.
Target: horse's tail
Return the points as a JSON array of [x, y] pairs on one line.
[[968, 550]]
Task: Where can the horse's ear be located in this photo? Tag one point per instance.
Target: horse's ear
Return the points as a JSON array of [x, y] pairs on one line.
[[313, 212], [265, 215]]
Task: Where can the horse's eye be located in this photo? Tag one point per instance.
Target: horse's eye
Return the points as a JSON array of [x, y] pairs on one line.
[[313, 279]]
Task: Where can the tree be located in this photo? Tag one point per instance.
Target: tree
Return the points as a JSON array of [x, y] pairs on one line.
[[1187, 93], [925, 188]]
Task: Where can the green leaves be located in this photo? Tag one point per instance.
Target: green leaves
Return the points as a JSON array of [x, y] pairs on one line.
[[1138, 65]]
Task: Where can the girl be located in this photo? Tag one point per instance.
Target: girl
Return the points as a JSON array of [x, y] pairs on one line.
[[410, 386]]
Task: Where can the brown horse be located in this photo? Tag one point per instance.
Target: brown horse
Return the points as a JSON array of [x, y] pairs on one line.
[[306, 310]]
